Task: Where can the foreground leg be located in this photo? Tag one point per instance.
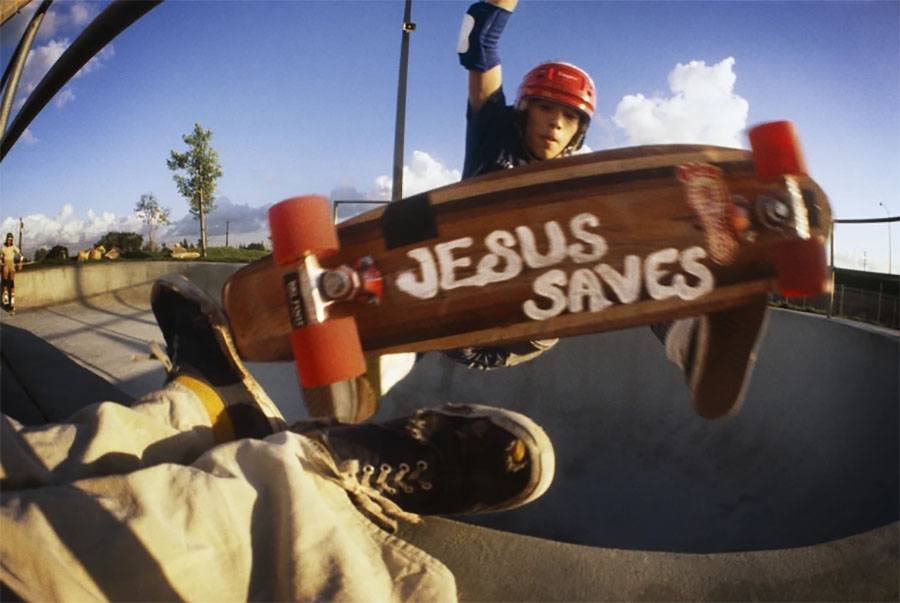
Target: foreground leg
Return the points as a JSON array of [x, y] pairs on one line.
[[202, 357], [248, 520], [168, 426]]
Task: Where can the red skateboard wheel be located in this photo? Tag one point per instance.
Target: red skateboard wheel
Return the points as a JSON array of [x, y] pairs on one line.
[[802, 268], [800, 265], [328, 352], [300, 226], [776, 150]]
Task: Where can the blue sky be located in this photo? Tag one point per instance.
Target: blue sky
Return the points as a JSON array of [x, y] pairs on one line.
[[300, 96]]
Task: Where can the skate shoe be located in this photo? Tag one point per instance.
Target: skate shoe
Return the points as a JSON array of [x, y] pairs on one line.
[[452, 460], [717, 352], [5, 299], [201, 356]]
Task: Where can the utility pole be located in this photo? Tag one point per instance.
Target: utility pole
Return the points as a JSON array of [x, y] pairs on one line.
[[21, 230], [890, 250], [202, 226], [400, 129], [227, 224]]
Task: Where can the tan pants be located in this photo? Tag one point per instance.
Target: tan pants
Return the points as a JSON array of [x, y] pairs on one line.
[[8, 274], [138, 504]]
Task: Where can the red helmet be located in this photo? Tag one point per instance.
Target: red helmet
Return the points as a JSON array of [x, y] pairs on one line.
[[562, 83]]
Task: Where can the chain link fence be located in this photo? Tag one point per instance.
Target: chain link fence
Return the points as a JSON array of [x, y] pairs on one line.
[[852, 303]]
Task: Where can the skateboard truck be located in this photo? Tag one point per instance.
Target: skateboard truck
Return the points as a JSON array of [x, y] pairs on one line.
[[311, 289], [363, 282], [326, 349], [791, 214]]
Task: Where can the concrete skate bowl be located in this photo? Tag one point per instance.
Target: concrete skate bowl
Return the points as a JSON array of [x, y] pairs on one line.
[[811, 458]]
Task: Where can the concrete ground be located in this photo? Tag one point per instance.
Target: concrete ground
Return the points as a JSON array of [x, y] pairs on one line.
[[794, 498]]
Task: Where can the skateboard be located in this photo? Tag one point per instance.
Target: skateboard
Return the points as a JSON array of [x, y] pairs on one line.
[[576, 245]]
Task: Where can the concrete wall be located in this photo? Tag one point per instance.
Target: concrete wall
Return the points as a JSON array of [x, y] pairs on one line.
[[49, 286]]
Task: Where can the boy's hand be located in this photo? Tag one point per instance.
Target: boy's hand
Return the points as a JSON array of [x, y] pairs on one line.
[[479, 37]]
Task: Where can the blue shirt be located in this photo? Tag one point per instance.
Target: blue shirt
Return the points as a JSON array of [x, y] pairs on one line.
[[493, 139], [493, 143]]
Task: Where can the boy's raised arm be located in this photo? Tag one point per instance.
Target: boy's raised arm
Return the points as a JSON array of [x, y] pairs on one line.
[[478, 42]]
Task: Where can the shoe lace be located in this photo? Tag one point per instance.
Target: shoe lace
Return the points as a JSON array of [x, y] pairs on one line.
[[157, 352], [405, 478], [368, 498]]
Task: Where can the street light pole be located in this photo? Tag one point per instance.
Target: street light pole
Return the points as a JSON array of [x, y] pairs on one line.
[[890, 247], [399, 132]]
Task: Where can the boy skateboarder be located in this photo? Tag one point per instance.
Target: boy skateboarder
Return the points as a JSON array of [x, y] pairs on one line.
[[550, 117]]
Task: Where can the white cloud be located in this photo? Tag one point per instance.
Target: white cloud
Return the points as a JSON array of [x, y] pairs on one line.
[[42, 58], [97, 61], [80, 14], [422, 174], [39, 61], [703, 108], [63, 97], [81, 230], [69, 229], [58, 19], [28, 137], [53, 22], [63, 18], [244, 224]]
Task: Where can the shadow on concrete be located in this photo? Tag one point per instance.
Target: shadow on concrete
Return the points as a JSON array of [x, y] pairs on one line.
[[40, 383], [102, 329]]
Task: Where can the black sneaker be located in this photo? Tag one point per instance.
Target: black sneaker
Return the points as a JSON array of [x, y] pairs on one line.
[[717, 352], [201, 355], [452, 460]]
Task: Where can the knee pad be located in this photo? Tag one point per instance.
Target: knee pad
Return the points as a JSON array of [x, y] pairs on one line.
[[480, 35]]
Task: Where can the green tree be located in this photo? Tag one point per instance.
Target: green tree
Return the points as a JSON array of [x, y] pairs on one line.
[[58, 252], [195, 173], [125, 241], [153, 216]]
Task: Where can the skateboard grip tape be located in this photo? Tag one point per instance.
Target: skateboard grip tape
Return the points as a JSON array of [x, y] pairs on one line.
[[408, 221]]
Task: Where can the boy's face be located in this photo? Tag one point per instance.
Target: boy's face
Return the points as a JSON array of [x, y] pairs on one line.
[[549, 128]]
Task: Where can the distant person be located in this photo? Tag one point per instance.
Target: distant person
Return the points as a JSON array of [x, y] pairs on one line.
[[11, 256], [549, 119], [199, 492]]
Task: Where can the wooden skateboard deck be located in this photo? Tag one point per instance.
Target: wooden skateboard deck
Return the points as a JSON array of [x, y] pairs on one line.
[[583, 244]]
